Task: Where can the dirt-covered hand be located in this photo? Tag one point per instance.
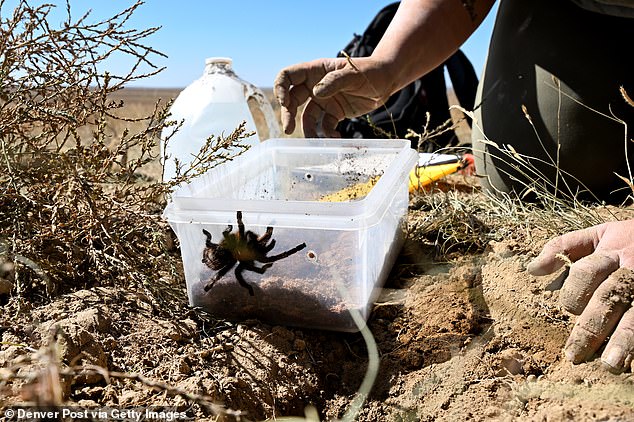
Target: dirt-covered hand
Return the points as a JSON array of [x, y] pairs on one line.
[[599, 288], [333, 89]]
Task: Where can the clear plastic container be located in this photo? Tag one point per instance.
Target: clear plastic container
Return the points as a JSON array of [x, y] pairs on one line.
[[344, 200], [215, 104]]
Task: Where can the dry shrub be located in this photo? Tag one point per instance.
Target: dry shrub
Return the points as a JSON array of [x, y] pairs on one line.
[[76, 208], [455, 222]]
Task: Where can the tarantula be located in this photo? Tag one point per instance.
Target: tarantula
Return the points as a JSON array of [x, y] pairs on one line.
[[244, 247]]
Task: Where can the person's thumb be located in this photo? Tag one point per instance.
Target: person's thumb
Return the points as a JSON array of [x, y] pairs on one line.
[[546, 263], [334, 82], [564, 249]]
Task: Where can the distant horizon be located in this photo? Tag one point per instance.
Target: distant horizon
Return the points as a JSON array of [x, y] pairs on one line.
[[175, 88]]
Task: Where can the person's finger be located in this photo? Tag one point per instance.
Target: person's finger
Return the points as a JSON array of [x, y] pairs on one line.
[[336, 81], [329, 126], [619, 352], [573, 245], [288, 120], [311, 117], [307, 74], [608, 303], [288, 77], [281, 87], [583, 279], [298, 94], [320, 118]]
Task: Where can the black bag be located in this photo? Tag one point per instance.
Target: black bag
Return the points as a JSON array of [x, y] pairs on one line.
[[407, 108]]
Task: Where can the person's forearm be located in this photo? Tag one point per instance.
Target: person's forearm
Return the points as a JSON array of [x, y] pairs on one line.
[[424, 33]]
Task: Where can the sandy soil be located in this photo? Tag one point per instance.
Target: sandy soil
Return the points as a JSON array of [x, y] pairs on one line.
[[476, 338], [472, 338]]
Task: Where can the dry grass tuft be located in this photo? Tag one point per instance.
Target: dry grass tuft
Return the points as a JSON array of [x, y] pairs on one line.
[[466, 223], [457, 222], [77, 207]]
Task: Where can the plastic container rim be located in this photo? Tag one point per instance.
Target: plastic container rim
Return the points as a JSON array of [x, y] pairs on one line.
[[190, 209]]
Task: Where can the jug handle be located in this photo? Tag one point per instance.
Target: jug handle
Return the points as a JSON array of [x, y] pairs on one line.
[[255, 93]]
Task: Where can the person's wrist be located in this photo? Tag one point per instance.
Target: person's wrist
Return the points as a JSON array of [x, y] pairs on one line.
[[392, 74], [380, 74]]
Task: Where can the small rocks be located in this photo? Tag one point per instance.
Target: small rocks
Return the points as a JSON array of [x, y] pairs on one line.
[[511, 363], [128, 397], [8, 354], [5, 287], [180, 331], [184, 366], [77, 343], [93, 320], [501, 250], [76, 346], [299, 345], [283, 333]]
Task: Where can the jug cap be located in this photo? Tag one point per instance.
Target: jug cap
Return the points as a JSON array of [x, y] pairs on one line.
[[222, 60]]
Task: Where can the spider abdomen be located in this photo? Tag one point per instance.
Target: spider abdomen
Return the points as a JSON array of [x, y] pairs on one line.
[[245, 247], [216, 258], [243, 253]]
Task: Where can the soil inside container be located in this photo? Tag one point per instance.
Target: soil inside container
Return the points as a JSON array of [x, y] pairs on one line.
[[314, 288], [284, 301]]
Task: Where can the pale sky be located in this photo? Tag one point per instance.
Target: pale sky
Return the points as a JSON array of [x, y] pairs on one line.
[[260, 36]]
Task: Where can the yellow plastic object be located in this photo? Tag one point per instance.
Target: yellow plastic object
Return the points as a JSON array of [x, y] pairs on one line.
[[423, 176], [418, 177], [351, 193]]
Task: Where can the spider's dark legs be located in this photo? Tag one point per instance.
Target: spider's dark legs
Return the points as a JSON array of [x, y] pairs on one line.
[[251, 267], [266, 236], [208, 242], [241, 266], [251, 237], [270, 246], [240, 224], [219, 275], [227, 231], [283, 254]]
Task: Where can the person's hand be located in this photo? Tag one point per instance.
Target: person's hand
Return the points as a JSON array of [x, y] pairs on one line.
[[334, 88], [599, 288]]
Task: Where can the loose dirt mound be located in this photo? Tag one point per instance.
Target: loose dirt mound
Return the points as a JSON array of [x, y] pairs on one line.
[[478, 339]]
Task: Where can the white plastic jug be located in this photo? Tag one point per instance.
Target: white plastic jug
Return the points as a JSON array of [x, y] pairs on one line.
[[214, 104]]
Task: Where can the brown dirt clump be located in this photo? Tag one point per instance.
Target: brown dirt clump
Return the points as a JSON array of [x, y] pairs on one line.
[[478, 338], [473, 338]]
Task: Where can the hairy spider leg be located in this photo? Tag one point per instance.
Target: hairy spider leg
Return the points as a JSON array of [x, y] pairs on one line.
[[251, 237], [270, 246], [241, 280], [249, 265], [240, 224], [227, 231], [266, 236], [208, 242], [283, 254], [224, 270]]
